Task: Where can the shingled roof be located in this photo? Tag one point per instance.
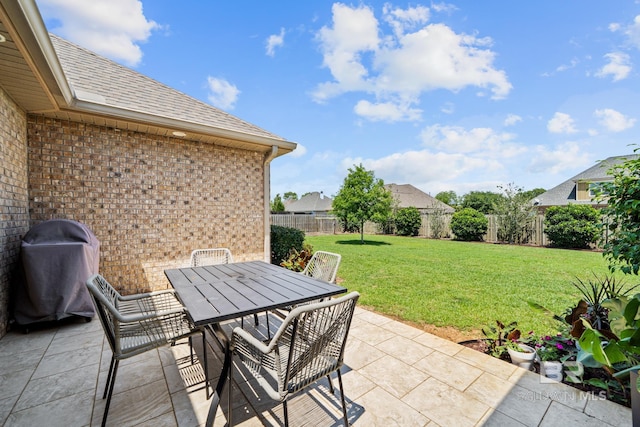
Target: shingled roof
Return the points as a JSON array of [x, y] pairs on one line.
[[52, 77], [409, 196], [566, 192], [313, 202]]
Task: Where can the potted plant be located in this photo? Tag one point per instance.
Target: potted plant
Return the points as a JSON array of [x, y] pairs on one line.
[[521, 354]]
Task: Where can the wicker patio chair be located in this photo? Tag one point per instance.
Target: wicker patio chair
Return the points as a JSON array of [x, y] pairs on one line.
[[135, 324], [213, 256], [308, 345], [323, 265]]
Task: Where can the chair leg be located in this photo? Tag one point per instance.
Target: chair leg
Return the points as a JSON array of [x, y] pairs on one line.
[[255, 319], [106, 386], [344, 403], [286, 413], [206, 364], [330, 384], [230, 391], [191, 348], [111, 384]]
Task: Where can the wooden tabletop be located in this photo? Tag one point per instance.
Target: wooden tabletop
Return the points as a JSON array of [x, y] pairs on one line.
[[221, 292]]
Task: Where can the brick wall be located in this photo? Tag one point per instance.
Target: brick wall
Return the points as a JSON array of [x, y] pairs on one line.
[[14, 215], [149, 200]]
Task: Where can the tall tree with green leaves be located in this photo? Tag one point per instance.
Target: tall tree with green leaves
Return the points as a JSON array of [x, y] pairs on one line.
[[290, 195], [362, 198], [515, 215], [448, 197], [276, 204], [482, 201], [621, 216]]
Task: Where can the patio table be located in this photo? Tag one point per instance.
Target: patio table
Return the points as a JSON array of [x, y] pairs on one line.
[[215, 293]]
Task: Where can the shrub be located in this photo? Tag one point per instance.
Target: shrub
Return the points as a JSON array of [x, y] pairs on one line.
[[408, 222], [572, 226], [298, 260], [468, 224], [283, 240]]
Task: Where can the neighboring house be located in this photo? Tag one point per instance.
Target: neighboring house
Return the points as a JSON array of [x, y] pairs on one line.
[[406, 195], [313, 203], [579, 189], [153, 172]]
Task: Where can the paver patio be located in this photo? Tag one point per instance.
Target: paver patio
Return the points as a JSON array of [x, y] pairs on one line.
[[394, 374]]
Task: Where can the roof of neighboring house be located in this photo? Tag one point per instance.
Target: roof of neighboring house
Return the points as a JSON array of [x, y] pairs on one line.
[[312, 202], [565, 193], [409, 196], [48, 75]]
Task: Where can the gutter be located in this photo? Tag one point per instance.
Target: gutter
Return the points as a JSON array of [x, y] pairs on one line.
[[267, 201]]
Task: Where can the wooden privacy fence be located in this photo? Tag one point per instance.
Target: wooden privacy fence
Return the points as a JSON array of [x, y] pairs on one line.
[[432, 224]]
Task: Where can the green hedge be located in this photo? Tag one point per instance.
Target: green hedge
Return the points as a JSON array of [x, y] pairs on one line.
[[283, 240]]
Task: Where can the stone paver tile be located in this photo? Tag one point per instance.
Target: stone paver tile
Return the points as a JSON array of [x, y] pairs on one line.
[[25, 361], [73, 410], [371, 317], [383, 409], [57, 386], [5, 407], [489, 389], [17, 343], [13, 382], [444, 404], [561, 415], [190, 408], [404, 349], [540, 386], [134, 372], [448, 370], [487, 363], [402, 329], [165, 420], [497, 419], [355, 384], [134, 406], [370, 333], [75, 342], [359, 354], [79, 327], [524, 405], [443, 346], [607, 411], [394, 376], [68, 361]]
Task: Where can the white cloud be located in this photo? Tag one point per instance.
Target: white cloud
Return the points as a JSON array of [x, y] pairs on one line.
[[512, 119], [386, 111], [613, 120], [399, 67], [300, 151], [618, 66], [484, 142], [113, 28], [558, 160], [561, 123], [273, 41], [631, 31], [222, 94]]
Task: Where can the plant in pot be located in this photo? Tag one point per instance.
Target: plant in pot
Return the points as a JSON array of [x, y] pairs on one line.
[[520, 353], [497, 336]]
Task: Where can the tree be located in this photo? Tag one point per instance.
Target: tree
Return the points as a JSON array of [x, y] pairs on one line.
[[623, 216], [362, 198], [482, 201], [572, 226], [532, 194], [448, 197], [515, 213], [290, 195], [277, 205]]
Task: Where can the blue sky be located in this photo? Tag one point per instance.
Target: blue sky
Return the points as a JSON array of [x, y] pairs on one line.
[[463, 96]]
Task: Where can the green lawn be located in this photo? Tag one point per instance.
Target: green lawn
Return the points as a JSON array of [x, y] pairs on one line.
[[459, 284]]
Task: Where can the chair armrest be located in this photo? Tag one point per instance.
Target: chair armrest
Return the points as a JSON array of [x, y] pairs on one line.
[[244, 338], [146, 295]]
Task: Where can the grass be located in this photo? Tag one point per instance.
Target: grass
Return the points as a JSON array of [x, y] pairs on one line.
[[460, 284]]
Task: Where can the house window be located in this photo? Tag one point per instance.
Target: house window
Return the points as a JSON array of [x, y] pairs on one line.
[[596, 188]]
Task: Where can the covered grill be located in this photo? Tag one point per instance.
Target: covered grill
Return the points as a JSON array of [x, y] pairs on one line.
[[57, 258]]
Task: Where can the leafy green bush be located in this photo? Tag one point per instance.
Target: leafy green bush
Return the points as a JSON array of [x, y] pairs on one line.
[[283, 240], [572, 226], [408, 221], [298, 260], [468, 224]]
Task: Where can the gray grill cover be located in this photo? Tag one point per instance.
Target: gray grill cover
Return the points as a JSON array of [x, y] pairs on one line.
[[57, 257]]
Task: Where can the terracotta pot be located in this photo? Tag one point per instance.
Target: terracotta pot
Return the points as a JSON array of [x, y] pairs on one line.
[[523, 358]]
